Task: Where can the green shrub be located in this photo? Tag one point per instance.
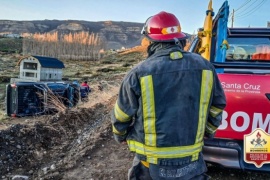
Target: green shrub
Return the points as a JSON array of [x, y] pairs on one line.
[[105, 70], [126, 65], [106, 62], [4, 79]]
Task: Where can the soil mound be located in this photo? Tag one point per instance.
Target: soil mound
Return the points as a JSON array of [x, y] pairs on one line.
[[54, 144]]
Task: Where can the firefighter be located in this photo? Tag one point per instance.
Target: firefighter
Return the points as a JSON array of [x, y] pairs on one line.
[[85, 84], [167, 105], [85, 90]]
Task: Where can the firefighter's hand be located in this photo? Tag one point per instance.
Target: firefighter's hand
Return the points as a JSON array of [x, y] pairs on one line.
[[124, 142]]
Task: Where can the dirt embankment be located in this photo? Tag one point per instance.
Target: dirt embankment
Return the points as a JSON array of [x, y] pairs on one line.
[[50, 148]]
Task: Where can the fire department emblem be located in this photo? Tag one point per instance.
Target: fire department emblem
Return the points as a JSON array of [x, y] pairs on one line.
[[257, 148]]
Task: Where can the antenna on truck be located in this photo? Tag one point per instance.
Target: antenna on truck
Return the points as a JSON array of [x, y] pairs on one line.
[[232, 17]]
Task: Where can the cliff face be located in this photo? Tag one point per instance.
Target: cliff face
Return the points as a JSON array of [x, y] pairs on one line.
[[115, 34]]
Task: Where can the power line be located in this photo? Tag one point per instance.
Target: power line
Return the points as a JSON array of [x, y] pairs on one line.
[[232, 13], [252, 10], [249, 8], [243, 5], [246, 9]]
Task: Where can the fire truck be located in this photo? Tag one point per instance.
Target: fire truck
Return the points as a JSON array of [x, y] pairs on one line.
[[241, 57]]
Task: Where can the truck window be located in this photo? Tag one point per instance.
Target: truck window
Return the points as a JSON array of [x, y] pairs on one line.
[[248, 49]]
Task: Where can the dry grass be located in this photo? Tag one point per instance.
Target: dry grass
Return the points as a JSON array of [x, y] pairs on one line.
[[54, 102], [101, 93], [3, 117], [105, 85]]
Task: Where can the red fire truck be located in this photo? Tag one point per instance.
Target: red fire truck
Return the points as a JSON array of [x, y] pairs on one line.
[[241, 57]]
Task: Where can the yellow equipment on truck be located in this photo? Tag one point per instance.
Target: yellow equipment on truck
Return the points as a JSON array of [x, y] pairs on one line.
[[206, 33]]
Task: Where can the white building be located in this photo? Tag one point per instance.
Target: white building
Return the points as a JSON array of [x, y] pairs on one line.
[[39, 68]]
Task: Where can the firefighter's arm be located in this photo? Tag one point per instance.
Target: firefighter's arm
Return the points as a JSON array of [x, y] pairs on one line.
[[216, 108], [125, 108]]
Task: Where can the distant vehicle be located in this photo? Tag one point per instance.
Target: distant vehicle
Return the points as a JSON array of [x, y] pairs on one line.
[[241, 57], [31, 98]]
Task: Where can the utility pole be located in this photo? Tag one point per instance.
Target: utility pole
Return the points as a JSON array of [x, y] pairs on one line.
[[232, 17]]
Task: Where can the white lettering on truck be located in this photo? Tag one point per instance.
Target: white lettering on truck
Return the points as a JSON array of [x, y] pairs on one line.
[[253, 87], [230, 86], [257, 121], [239, 86]]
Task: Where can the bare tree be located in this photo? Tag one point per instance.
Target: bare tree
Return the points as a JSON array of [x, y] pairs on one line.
[[76, 46]]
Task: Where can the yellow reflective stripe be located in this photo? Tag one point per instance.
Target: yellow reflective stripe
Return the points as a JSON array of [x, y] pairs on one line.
[[214, 111], [149, 116], [195, 157], [115, 131], [164, 152], [152, 160], [210, 128], [138, 148], [119, 114], [176, 55], [206, 90]]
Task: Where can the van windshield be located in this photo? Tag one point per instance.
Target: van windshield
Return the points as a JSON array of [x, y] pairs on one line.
[[248, 49]]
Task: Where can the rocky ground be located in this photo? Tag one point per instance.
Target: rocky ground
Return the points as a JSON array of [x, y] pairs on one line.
[[56, 146]]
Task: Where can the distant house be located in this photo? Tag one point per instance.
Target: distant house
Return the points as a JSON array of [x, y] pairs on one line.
[[13, 36], [9, 35], [39, 68]]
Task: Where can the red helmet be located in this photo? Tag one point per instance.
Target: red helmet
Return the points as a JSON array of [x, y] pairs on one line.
[[163, 27]]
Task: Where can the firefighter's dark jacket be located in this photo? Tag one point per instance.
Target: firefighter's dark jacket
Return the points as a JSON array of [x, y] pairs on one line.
[[166, 105]]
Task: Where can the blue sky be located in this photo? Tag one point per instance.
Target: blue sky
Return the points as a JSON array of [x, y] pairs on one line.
[[191, 13]]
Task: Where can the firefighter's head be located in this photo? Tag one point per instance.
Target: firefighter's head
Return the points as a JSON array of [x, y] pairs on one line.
[[163, 27]]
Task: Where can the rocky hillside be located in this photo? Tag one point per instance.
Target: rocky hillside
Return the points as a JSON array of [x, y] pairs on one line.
[[116, 34]]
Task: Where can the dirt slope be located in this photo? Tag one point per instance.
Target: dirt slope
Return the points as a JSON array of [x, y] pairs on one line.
[[56, 146]]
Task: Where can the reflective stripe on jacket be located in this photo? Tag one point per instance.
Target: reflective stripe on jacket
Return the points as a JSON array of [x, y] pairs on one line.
[[166, 104]]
